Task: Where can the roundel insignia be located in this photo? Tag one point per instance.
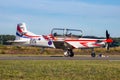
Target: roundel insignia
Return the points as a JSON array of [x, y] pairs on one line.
[[49, 42], [39, 38]]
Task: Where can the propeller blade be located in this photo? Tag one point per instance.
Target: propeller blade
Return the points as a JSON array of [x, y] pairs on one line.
[[107, 35], [108, 40]]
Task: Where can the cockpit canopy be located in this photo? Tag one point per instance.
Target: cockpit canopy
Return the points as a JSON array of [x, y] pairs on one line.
[[60, 32]]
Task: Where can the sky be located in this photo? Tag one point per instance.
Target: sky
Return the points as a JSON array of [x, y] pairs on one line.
[[93, 17]]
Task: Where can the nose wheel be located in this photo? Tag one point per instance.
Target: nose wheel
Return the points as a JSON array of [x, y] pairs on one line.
[[93, 53], [69, 53]]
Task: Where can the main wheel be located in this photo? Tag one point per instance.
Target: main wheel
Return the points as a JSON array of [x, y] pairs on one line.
[[69, 53], [93, 54]]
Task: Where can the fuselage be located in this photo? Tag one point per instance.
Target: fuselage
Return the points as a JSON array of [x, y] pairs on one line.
[[59, 38]]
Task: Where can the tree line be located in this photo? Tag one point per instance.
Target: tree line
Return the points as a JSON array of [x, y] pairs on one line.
[[5, 38]]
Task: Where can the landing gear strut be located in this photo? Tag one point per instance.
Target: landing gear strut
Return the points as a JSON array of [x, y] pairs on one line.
[[69, 53], [42, 50]]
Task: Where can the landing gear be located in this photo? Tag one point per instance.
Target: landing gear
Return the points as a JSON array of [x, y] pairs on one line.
[[69, 53], [93, 53]]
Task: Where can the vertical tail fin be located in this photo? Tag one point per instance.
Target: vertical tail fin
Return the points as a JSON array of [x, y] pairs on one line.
[[23, 34], [21, 28], [20, 31]]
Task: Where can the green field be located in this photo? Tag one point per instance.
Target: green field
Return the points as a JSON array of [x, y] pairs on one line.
[[23, 50], [59, 70]]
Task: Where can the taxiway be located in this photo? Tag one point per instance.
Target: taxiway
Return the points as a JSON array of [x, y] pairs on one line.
[[58, 58]]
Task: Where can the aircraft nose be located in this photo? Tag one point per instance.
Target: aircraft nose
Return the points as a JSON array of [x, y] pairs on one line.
[[109, 40]]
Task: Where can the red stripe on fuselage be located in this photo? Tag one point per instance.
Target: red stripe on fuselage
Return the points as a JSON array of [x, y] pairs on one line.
[[84, 42], [31, 36], [81, 40]]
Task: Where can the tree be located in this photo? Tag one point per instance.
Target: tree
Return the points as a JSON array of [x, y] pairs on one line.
[[5, 38]]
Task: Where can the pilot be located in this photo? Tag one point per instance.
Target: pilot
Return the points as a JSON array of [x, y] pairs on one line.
[[55, 34]]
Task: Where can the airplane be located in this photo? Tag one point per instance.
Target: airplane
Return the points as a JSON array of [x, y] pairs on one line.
[[65, 39]]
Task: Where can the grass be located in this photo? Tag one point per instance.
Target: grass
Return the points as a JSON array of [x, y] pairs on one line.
[[59, 70], [37, 51], [56, 70]]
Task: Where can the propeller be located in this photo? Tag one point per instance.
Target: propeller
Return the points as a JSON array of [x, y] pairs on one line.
[[107, 35], [108, 40]]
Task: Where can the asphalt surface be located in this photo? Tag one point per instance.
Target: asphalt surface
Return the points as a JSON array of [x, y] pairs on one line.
[[58, 58]]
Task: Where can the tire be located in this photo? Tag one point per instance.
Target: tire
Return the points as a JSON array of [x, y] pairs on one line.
[[71, 54], [93, 54]]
